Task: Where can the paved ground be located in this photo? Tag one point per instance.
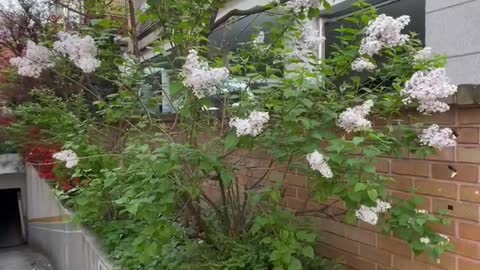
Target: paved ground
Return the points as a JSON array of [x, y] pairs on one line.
[[22, 258]]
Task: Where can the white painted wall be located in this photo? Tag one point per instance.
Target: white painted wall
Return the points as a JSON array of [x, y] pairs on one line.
[[452, 29]]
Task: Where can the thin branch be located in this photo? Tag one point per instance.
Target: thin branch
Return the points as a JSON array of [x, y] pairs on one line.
[[238, 12], [319, 210], [267, 172], [57, 2]]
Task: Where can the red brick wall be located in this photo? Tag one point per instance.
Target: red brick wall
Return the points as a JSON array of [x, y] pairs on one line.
[[362, 247]]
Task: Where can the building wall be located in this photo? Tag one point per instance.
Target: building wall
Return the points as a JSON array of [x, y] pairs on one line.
[[364, 247], [452, 28]]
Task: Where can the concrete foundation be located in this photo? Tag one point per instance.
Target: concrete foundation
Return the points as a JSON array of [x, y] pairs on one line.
[[50, 231]]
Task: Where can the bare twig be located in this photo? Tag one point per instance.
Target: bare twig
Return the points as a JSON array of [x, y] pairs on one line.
[[238, 12]]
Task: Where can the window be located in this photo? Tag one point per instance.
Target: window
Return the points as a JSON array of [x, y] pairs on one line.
[[156, 85], [394, 8]]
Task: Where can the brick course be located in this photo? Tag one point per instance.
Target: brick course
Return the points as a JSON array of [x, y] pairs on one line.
[[364, 247]]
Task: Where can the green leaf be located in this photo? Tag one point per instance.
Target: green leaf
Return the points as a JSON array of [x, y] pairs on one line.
[[132, 208], [365, 19], [372, 194], [350, 217], [307, 102], [326, 4], [313, 13], [372, 151], [295, 264], [306, 236], [308, 252], [231, 141], [275, 256], [359, 187], [226, 176], [358, 140]]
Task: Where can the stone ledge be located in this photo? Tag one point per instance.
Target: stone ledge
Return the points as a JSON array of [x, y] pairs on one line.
[[10, 163], [468, 94]]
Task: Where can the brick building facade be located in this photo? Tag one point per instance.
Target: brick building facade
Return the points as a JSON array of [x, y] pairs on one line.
[[365, 247], [450, 27]]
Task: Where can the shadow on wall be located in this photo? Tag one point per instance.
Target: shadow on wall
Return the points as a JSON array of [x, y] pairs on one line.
[[10, 225]]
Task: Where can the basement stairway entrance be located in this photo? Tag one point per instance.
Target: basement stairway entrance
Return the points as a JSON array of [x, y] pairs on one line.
[[14, 252], [12, 229]]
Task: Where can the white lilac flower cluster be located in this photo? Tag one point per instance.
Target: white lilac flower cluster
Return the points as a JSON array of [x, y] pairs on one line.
[[447, 239], [259, 39], [253, 125], [384, 32], [36, 59], [370, 214], [361, 64], [4, 109], [81, 50], [309, 41], [427, 88], [319, 163], [68, 156], [437, 137], [200, 77], [425, 240], [311, 38], [423, 55], [421, 211], [301, 5], [353, 119]]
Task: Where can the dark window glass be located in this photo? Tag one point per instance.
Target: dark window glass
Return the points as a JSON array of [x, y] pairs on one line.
[[414, 8], [231, 35]]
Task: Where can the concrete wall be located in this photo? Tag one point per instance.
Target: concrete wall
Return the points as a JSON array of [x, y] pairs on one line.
[[452, 28], [50, 231]]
